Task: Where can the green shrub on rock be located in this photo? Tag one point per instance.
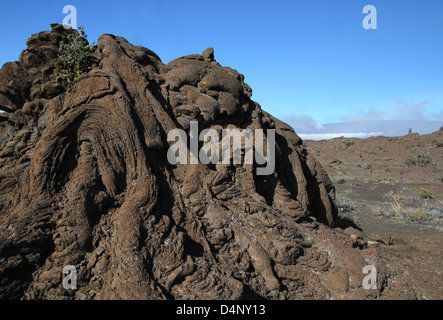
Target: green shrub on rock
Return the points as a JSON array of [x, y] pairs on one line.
[[74, 56]]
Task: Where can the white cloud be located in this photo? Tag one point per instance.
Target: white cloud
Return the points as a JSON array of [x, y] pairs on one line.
[[403, 111], [436, 116], [370, 115], [410, 111], [301, 122]]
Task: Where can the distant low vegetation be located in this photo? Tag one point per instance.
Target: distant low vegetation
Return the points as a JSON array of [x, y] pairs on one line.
[[422, 159]]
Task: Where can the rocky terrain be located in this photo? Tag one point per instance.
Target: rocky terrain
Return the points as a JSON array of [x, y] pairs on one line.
[[393, 187], [85, 181]]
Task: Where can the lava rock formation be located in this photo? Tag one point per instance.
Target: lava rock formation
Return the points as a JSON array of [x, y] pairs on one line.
[[85, 181]]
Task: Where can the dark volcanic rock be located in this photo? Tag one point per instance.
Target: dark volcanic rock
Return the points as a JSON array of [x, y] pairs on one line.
[[85, 181], [208, 54]]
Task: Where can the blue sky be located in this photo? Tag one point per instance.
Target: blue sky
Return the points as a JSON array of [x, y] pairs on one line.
[[306, 60]]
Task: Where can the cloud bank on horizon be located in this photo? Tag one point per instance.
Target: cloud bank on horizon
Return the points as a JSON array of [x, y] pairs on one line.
[[327, 136], [392, 122], [365, 129]]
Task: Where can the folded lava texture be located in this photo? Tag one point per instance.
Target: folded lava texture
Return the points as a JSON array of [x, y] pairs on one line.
[[85, 181]]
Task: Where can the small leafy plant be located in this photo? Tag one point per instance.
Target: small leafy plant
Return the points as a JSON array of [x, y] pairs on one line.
[[344, 203], [426, 194], [420, 160], [74, 56], [348, 143]]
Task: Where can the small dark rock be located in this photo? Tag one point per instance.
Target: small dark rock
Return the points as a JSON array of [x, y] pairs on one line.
[[208, 54]]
